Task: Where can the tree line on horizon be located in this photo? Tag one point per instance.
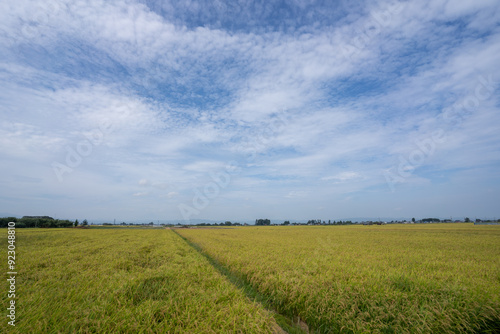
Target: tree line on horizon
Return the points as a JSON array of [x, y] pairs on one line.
[[49, 222], [40, 221]]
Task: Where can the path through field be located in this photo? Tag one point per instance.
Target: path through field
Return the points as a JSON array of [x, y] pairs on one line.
[[357, 279]]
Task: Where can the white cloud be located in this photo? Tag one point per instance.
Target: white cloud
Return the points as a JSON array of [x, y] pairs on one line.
[[172, 194], [297, 194], [343, 177], [143, 182]]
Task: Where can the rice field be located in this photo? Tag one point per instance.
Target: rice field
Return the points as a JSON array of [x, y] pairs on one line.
[[437, 278], [124, 281]]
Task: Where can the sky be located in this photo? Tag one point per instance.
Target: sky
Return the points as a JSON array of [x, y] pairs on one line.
[[239, 110]]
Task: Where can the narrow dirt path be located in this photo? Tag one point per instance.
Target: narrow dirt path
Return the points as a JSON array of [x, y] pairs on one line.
[[282, 322]]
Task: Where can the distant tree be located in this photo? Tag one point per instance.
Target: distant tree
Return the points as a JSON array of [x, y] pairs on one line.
[[413, 219], [286, 222], [76, 223], [228, 223], [262, 222], [314, 222], [467, 220], [62, 223], [4, 222], [85, 222]]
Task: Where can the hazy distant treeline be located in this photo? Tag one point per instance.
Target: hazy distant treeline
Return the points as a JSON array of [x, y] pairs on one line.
[[31, 221]]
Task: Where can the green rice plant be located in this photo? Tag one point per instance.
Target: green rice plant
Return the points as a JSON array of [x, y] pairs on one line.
[[439, 278], [124, 281]]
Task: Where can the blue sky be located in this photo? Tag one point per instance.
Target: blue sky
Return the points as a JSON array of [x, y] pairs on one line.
[[250, 109]]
